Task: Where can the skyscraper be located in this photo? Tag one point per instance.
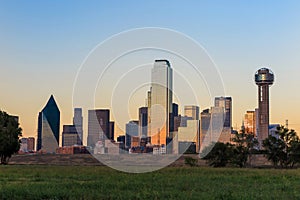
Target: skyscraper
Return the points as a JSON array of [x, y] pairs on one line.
[[70, 136], [264, 78], [132, 130], [98, 126], [111, 131], [48, 127], [250, 122], [143, 121], [212, 129], [78, 123], [192, 111], [173, 115], [226, 103], [161, 102]]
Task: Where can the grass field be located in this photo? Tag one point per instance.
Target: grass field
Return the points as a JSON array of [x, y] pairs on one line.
[[97, 182]]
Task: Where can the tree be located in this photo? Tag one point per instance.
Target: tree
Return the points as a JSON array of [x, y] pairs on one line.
[[9, 136], [220, 154], [283, 148], [244, 145]]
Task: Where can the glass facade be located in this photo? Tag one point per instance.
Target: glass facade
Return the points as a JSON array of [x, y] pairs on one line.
[[226, 103], [98, 126], [161, 102], [48, 127]]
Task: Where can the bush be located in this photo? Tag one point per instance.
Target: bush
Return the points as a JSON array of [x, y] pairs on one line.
[[192, 162], [220, 155]]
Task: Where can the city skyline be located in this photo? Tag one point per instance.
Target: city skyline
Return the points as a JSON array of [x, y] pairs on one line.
[[256, 34]]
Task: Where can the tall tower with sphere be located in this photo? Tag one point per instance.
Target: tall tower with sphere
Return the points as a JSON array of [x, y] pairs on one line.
[[264, 78]]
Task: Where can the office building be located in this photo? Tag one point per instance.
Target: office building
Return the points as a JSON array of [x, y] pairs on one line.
[[226, 103], [212, 121], [161, 102], [98, 126], [78, 123], [173, 115], [190, 132], [48, 127], [192, 111], [250, 122], [143, 122], [70, 137], [132, 130], [111, 131]]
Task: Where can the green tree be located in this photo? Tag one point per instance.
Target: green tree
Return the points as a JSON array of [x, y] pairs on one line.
[[9, 136], [219, 155], [244, 145], [283, 148]]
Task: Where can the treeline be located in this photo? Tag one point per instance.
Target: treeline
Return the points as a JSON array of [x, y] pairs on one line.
[[282, 149]]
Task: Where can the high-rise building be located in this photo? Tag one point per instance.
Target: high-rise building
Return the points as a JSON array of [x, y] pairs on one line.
[[78, 123], [111, 131], [98, 126], [73, 134], [173, 115], [161, 102], [48, 127], [192, 111], [264, 78], [212, 121], [143, 121], [190, 132], [70, 136], [132, 130], [250, 122], [175, 109], [226, 103]]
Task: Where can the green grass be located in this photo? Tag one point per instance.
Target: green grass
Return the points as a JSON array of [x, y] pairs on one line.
[[95, 182]]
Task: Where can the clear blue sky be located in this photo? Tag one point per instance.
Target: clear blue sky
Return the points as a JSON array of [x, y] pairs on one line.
[[42, 44]]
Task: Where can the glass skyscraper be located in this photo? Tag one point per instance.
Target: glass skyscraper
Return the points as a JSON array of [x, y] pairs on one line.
[[98, 126], [226, 103], [78, 123], [48, 127], [161, 102]]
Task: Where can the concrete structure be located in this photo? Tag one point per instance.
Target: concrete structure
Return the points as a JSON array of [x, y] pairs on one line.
[[226, 103], [192, 111], [264, 78], [98, 126], [160, 102], [48, 127]]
